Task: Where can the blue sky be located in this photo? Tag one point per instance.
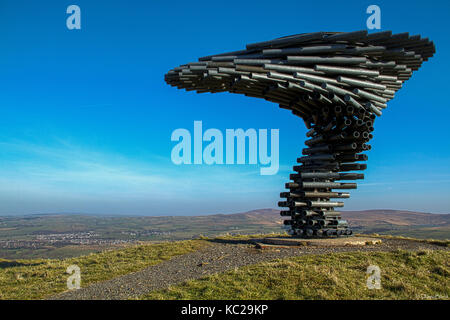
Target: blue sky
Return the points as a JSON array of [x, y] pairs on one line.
[[86, 117]]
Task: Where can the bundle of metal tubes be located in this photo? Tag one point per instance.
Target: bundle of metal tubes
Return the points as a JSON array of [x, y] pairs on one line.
[[338, 83]]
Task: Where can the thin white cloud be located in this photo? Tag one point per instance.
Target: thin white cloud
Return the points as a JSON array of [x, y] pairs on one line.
[[67, 171]]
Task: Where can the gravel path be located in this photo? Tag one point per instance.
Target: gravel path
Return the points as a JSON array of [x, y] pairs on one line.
[[219, 257]]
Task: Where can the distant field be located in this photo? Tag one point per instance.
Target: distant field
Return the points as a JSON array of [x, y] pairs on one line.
[[28, 237], [402, 223], [404, 275], [51, 252], [62, 236], [140, 228], [420, 232]]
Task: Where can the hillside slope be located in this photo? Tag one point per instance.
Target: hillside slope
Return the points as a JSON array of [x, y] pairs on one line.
[[396, 218], [397, 222], [362, 218]]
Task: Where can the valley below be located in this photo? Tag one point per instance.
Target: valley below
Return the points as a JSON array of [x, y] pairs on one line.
[[69, 235]]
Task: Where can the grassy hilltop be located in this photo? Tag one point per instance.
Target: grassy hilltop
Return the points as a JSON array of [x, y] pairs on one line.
[[405, 275], [40, 278], [422, 274]]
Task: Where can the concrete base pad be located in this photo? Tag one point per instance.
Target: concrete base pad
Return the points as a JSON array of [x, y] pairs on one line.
[[325, 242]]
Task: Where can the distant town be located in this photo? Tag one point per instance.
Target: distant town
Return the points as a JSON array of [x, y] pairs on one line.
[[77, 238]]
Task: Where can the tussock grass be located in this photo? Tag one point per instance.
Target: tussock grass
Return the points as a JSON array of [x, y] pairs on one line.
[[404, 275], [37, 279]]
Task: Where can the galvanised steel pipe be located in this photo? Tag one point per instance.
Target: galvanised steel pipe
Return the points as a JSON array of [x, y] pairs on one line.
[[338, 83]]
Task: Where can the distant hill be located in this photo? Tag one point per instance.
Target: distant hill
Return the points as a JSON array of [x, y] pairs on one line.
[[267, 217], [399, 222], [396, 217], [361, 218]]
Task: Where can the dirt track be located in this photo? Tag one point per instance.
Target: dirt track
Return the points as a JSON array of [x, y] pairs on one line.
[[219, 257]]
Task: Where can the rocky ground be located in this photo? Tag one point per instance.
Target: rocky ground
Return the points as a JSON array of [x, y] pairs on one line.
[[220, 256]]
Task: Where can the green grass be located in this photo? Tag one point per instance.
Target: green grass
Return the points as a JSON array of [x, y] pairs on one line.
[[404, 275], [37, 279]]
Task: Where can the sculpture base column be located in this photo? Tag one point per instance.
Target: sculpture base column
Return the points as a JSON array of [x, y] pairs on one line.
[[333, 150], [324, 243]]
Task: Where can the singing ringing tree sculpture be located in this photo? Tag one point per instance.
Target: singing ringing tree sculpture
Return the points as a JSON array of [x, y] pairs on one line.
[[338, 83]]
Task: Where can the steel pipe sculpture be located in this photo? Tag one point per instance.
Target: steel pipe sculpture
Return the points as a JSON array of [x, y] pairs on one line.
[[338, 83]]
